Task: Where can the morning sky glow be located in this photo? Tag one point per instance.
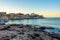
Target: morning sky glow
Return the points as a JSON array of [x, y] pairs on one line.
[[48, 8]]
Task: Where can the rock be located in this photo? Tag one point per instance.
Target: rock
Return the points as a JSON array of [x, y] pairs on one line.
[[55, 36], [27, 25], [32, 36], [4, 27], [36, 35], [42, 28], [6, 38], [7, 34], [14, 24], [50, 28], [26, 32]]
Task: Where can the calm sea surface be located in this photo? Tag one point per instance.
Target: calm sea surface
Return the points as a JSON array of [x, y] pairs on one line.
[[55, 22]]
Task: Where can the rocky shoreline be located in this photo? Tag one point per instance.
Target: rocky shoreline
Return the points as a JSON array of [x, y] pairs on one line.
[[26, 32]]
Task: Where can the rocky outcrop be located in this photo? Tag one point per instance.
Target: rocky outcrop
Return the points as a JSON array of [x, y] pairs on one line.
[[25, 32]]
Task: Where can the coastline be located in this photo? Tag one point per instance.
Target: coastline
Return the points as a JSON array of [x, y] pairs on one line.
[[26, 32], [26, 18]]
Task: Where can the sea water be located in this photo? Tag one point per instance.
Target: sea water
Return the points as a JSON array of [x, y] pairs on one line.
[[48, 22], [54, 22]]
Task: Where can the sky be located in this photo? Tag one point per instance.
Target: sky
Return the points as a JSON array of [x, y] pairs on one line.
[[47, 8]]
